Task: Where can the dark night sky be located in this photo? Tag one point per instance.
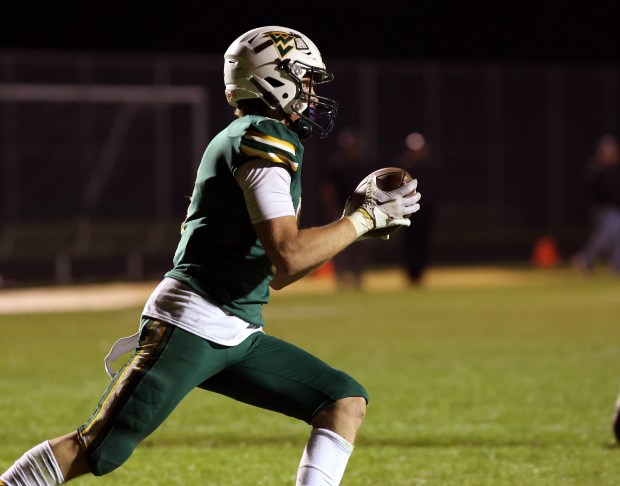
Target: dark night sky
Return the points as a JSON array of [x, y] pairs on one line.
[[569, 31]]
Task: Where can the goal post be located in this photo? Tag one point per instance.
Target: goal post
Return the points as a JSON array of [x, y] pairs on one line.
[[127, 101]]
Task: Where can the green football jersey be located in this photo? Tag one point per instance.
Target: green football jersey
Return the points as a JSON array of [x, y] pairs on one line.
[[219, 254]]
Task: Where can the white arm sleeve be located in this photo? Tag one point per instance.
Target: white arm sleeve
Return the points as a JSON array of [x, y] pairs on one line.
[[267, 190]]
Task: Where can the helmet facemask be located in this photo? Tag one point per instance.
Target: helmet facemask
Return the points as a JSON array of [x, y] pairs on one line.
[[317, 113]]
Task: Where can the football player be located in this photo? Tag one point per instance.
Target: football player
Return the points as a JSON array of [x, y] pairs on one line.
[[202, 327], [615, 420]]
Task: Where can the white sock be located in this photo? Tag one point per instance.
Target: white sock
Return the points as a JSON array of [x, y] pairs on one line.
[[324, 460], [37, 467]]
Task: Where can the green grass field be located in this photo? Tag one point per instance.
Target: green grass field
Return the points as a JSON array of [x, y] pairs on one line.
[[501, 384]]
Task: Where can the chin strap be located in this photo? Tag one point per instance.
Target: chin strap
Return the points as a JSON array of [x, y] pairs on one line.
[[302, 128]]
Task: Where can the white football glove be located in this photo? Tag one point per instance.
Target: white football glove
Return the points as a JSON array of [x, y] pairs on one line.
[[382, 209]]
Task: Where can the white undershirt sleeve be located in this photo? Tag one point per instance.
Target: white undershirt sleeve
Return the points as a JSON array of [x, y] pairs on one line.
[[267, 190]]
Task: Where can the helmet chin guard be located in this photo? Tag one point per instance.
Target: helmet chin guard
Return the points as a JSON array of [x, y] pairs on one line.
[[281, 67]]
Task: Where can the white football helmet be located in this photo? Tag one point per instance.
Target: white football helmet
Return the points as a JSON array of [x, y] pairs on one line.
[[269, 63]]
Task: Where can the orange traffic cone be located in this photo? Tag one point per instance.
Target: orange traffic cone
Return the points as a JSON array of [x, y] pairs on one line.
[[325, 271], [545, 254]]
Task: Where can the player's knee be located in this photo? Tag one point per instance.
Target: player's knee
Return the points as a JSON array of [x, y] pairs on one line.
[[352, 409]]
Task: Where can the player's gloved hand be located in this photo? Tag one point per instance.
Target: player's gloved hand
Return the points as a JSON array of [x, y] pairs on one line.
[[382, 209]]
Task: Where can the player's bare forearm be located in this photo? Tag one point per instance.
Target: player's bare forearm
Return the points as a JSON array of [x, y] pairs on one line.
[[280, 280], [296, 252]]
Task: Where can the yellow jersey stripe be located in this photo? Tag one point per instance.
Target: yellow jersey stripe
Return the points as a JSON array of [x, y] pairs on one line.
[[272, 141], [279, 158]]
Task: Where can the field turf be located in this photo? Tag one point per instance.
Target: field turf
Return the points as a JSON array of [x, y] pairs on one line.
[[511, 383]]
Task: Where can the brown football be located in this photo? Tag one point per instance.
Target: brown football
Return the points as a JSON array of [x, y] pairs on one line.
[[388, 179]]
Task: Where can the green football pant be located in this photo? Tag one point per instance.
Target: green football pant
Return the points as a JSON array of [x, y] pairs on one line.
[[169, 363]]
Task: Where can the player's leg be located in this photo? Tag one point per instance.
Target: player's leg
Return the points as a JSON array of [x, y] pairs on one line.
[[70, 455], [330, 445], [615, 420], [278, 376], [417, 246], [344, 417], [61, 459], [168, 363], [39, 466], [598, 243]]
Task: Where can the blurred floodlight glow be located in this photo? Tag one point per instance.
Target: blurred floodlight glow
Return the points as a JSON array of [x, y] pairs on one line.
[[415, 141]]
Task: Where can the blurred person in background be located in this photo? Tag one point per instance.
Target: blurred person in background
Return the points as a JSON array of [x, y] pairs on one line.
[[346, 169], [602, 184], [416, 159]]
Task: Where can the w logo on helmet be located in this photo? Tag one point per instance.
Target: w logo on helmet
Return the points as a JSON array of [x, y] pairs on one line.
[[285, 42]]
